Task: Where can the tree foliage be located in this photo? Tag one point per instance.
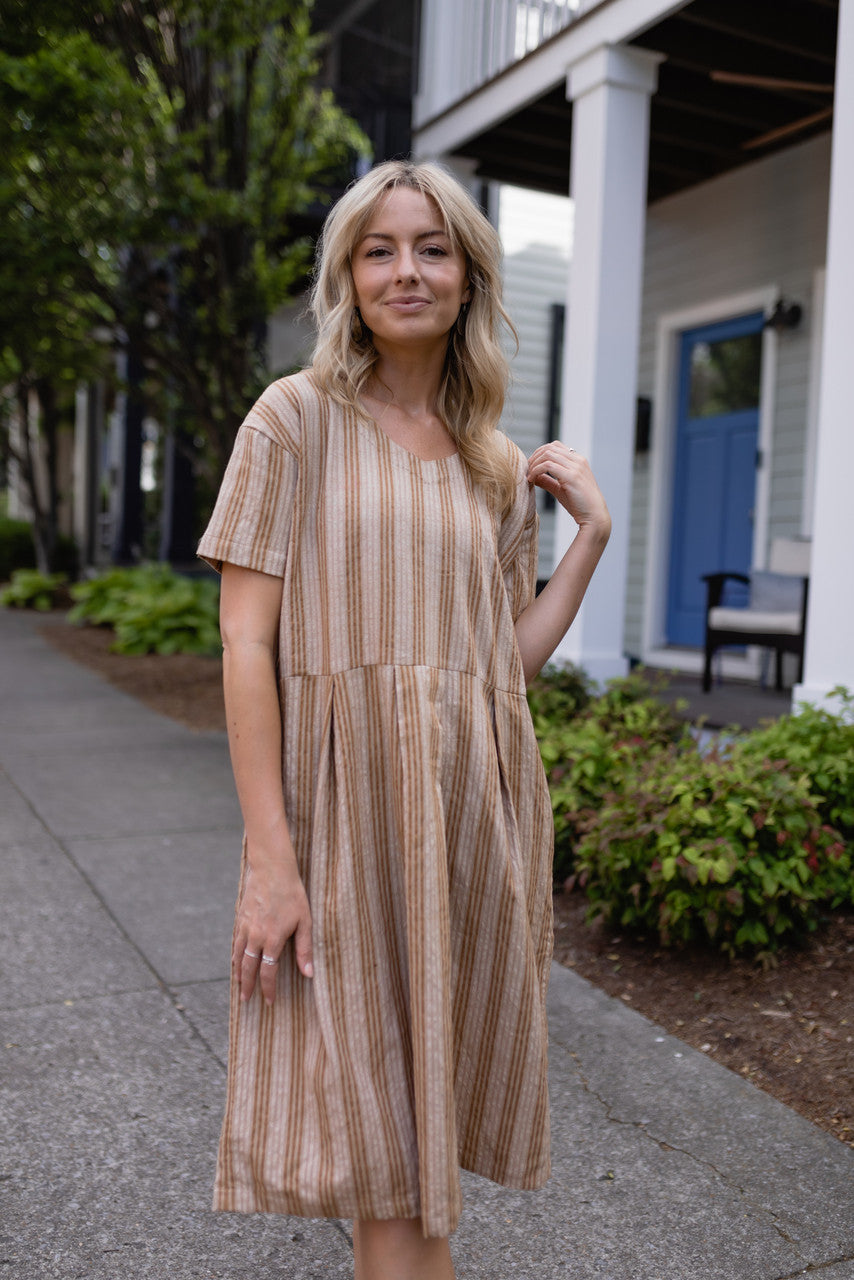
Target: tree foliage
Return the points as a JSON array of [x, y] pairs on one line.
[[161, 160], [73, 163], [251, 144]]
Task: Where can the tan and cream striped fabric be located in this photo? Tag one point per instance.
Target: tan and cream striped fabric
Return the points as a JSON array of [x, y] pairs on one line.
[[420, 816]]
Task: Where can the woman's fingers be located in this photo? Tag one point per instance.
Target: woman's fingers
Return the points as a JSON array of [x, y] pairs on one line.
[[554, 464], [259, 965], [549, 477], [555, 452], [302, 944], [247, 971], [566, 474], [269, 971], [258, 949]]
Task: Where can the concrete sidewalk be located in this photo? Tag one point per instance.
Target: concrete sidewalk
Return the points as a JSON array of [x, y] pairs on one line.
[[119, 845]]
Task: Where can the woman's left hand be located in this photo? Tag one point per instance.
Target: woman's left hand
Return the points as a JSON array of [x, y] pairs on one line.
[[567, 476]]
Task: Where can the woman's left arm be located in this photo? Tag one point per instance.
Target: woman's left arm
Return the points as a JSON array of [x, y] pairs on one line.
[[567, 476]]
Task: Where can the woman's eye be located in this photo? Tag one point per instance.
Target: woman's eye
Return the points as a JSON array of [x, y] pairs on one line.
[[378, 252], [435, 251]]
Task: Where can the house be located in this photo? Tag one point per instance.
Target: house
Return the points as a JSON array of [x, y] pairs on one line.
[[708, 146]]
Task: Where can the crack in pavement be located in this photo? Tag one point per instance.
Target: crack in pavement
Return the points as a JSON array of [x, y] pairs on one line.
[[661, 1143], [772, 1216], [813, 1267]]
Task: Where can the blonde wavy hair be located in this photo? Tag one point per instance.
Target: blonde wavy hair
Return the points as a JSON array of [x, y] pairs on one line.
[[476, 372]]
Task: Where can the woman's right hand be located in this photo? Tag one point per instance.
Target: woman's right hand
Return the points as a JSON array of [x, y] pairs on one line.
[[274, 907]]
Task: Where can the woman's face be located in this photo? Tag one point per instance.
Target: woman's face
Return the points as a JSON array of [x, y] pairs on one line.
[[410, 282]]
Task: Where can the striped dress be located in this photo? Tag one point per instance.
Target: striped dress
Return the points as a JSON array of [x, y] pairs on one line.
[[419, 813]]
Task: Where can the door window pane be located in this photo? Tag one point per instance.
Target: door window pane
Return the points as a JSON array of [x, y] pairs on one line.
[[725, 376]]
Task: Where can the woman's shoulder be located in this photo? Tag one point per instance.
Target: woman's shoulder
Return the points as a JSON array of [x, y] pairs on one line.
[[513, 453], [286, 407], [521, 511]]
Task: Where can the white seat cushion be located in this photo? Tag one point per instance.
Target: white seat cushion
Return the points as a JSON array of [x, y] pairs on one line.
[[725, 619]]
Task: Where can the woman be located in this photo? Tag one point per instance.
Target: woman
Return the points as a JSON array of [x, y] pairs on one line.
[[377, 541]]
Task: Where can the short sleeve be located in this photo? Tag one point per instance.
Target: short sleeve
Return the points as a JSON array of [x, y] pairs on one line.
[[251, 520], [518, 549]]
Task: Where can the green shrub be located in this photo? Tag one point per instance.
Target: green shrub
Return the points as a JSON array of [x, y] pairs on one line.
[[18, 551], [558, 692], [591, 754], [727, 847], [31, 589], [743, 846], [152, 610], [101, 599], [821, 745]]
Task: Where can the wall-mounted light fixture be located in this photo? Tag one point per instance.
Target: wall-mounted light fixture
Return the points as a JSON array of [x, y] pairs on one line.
[[643, 422], [786, 315]]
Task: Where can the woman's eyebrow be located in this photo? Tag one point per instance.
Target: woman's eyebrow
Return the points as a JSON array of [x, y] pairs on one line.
[[422, 235]]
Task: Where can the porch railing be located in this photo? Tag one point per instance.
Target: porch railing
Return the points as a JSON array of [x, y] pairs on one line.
[[466, 43]]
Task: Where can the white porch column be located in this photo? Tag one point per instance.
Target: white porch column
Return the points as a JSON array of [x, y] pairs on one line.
[[829, 658], [610, 91]]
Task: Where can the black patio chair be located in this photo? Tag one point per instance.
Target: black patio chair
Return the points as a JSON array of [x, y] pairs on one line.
[[776, 615]]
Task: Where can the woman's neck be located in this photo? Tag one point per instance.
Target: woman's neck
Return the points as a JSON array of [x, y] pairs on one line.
[[409, 380], [402, 396]]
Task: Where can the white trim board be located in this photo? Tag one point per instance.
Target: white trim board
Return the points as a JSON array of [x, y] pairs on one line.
[[811, 442]]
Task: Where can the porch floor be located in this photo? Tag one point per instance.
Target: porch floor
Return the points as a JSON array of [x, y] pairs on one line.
[[733, 702]]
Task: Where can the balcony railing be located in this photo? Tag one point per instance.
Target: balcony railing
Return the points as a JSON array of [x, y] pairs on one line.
[[466, 43], [538, 20]]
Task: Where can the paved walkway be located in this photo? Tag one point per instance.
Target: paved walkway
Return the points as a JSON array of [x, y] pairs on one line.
[[118, 847]]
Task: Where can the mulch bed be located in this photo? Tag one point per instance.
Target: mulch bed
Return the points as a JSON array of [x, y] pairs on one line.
[[787, 1029]]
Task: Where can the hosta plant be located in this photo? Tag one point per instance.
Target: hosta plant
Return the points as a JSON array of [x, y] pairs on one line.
[[32, 589], [152, 610]]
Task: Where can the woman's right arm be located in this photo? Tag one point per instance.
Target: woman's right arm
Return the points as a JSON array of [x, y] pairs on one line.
[[274, 905]]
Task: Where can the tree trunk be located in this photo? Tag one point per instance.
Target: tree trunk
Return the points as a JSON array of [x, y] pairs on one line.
[[50, 421], [26, 458], [33, 459]]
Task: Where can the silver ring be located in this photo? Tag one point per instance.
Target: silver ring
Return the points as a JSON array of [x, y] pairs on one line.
[[253, 955], [269, 959]]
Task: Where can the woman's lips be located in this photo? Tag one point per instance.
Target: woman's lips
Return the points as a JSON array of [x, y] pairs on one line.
[[407, 304]]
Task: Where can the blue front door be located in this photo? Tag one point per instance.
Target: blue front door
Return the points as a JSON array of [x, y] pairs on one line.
[[715, 467]]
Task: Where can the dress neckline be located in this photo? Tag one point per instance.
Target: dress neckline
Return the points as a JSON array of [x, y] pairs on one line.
[[369, 427]]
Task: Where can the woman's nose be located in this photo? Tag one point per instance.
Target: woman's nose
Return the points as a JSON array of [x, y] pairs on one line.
[[407, 265]]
